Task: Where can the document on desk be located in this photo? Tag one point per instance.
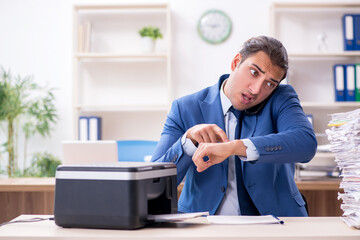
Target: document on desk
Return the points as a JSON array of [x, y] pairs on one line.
[[266, 219], [175, 217]]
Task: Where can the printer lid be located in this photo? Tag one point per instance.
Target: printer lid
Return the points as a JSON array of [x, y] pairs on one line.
[[116, 171]]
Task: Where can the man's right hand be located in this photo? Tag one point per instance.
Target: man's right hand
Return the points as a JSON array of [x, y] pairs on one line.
[[206, 133]]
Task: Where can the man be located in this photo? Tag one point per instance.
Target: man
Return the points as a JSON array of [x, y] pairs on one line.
[[241, 165]]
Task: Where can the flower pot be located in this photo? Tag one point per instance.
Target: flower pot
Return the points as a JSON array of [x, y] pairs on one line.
[[148, 44]]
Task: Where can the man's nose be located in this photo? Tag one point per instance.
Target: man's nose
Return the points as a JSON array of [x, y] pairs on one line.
[[255, 87]]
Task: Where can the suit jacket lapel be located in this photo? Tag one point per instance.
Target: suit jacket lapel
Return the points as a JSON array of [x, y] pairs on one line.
[[212, 113]]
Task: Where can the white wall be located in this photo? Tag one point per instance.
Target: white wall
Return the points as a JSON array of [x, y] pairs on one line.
[[36, 39]]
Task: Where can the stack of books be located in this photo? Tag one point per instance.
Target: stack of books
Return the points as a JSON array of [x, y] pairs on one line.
[[344, 137]]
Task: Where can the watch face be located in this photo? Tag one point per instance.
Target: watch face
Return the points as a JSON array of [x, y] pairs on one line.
[[214, 26]]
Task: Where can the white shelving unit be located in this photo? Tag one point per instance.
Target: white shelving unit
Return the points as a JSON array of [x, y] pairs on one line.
[[113, 79], [298, 27]]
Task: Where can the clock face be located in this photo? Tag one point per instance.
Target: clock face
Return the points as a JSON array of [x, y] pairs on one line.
[[214, 26]]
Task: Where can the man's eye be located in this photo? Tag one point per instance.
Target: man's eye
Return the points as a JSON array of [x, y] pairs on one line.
[[270, 85], [253, 72]]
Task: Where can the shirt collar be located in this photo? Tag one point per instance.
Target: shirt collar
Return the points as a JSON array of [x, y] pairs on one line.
[[225, 101]]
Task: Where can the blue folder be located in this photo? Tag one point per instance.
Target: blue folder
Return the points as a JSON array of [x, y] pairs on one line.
[[356, 31], [89, 128], [349, 76], [348, 32], [339, 82], [94, 128]]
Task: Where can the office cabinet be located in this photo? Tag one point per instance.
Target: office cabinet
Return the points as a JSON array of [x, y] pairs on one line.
[[313, 37], [113, 78]]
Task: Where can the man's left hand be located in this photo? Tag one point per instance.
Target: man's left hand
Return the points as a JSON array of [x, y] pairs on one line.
[[217, 153]]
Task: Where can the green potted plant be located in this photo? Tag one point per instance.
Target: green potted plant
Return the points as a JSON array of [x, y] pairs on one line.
[[23, 103], [42, 165], [149, 35]]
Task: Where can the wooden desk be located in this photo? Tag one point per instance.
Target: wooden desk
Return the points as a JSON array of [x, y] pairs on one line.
[[199, 228], [36, 196], [26, 196], [320, 195]]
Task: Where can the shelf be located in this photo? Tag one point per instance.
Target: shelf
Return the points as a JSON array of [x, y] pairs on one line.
[[330, 105], [325, 54], [122, 7], [122, 108], [324, 155], [287, 6], [113, 78], [120, 56]]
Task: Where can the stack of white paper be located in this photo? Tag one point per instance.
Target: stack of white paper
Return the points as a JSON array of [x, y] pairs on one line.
[[344, 137]]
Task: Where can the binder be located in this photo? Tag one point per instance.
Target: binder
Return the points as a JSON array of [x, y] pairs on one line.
[[348, 32], [356, 31], [349, 76], [94, 128], [339, 82], [83, 128], [89, 128], [357, 82]]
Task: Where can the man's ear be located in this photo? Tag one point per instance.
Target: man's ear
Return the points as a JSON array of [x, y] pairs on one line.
[[236, 61]]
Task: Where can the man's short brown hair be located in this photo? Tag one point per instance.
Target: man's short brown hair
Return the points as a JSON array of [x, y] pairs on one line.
[[269, 45]]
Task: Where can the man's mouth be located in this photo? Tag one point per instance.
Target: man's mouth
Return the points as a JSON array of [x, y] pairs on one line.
[[247, 98]]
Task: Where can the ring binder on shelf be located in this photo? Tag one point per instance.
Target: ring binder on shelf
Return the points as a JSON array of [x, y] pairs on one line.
[[339, 82]]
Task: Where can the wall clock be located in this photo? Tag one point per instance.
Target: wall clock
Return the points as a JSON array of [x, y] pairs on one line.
[[214, 26]]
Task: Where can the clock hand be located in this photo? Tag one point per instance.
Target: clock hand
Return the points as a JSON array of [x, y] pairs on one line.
[[211, 25]]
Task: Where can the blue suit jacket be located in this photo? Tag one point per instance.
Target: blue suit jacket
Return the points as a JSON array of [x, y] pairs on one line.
[[281, 133]]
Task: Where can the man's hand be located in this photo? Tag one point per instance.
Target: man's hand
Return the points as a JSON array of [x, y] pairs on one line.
[[217, 153], [206, 133]]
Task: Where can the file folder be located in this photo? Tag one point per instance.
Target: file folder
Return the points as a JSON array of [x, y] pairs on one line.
[[349, 76], [89, 128], [83, 128], [339, 82], [356, 31], [94, 128], [357, 82], [348, 32]]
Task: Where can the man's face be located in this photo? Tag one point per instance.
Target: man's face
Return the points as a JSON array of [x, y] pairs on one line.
[[252, 81]]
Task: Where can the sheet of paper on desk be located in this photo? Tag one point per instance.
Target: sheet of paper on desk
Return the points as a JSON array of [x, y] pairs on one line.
[[219, 219], [175, 217]]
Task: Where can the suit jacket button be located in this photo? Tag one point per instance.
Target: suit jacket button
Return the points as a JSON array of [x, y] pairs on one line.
[[267, 149], [222, 189], [174, 158], [275, 148], [279, 147]]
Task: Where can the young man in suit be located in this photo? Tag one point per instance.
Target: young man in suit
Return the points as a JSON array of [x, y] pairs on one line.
[[237, 142]]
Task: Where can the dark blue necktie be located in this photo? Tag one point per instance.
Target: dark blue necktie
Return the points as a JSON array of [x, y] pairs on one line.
[[247, 206]]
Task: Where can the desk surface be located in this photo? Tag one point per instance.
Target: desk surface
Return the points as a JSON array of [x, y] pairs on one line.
[[294, 228], [48, 184], [27, 185]]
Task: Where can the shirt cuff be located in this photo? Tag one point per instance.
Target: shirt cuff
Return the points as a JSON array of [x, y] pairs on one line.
[[251, 151], [188, 146]]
